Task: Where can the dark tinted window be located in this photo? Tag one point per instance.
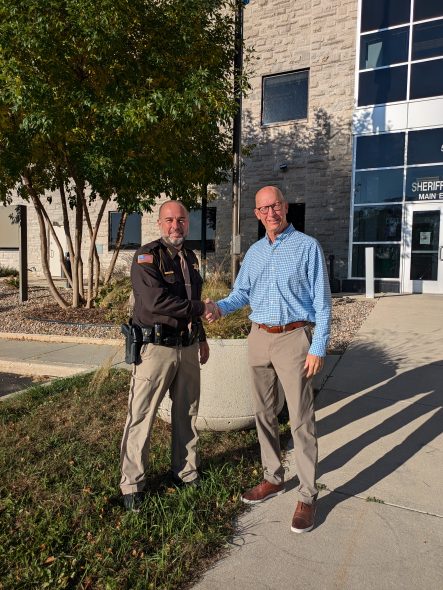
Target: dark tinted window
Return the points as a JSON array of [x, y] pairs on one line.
[[379, 151], [377, 224], [285, 97], [383, 49], [427, 79], [386, 261], [382, 86], [132, 234], [378, 186], [427, 40], [424, 183], [380, 14], [427, 9], [193, 240], [425, 147]]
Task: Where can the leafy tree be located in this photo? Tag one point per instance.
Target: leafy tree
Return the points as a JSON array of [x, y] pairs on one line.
[[120, 100]]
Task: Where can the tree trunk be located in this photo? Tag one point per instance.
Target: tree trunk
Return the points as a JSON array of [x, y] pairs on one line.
[[118, 243], [93, 254], [43, 242], [77, 265]]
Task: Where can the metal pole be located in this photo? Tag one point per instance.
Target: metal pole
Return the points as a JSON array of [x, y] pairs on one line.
[[236, 141], [204, 216], [23, 281]]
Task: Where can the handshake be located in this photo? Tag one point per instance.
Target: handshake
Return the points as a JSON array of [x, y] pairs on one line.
[[212, 311]]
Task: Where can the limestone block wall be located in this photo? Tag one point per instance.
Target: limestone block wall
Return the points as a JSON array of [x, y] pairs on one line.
[[9, 258], [288, 35]]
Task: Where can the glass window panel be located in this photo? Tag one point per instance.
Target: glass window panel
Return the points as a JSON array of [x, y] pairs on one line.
[[377, 224], [378, 186], [382, 86], [285, 97], [427, 9], [380, 14], [425, 146], [132, 234], [425, 242], [384, 48], [193, 240], [427, 40], [380, 151], [426, 230], [424, 183], [427, 79], [424, 266], [386, 260]]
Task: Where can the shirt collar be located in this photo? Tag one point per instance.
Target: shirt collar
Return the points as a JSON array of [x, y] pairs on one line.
[[284, 234], [172, 250]]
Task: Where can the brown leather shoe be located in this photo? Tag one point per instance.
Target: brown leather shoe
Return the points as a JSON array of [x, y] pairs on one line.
[[303, 519], [263, 491]]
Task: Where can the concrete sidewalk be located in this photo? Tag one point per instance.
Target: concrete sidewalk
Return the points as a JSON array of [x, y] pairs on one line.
[[380, 517], [57, 358]]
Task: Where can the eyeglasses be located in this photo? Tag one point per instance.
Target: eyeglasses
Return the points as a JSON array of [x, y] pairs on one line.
[[265, 209]]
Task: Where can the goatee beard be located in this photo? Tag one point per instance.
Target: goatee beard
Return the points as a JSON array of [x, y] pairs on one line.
[[175, 241]]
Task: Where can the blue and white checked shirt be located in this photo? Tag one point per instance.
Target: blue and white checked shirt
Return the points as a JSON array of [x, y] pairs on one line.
[[283, 282]]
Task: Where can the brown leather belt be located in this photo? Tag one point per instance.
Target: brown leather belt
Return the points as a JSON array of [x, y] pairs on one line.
[[280, 329]]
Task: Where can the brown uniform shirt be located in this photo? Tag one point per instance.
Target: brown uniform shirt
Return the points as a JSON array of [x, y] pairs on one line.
[[159, 288]]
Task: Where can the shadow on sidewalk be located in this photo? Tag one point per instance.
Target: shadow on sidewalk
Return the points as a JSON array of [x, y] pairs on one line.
[[421, 387]]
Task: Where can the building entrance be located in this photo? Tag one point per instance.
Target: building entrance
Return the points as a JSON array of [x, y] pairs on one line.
[[423, 248]]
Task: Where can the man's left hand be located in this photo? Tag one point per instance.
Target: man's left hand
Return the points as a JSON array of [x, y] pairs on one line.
[[204, 352], [313, 365]]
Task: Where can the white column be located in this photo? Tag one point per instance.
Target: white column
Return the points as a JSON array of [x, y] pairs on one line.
[[369, 265]]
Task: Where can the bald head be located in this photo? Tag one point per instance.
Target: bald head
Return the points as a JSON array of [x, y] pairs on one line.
[[269, 192], [173, 221], [271, 209]]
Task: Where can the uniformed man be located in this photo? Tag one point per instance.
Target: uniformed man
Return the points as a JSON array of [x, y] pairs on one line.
[[167, 291]]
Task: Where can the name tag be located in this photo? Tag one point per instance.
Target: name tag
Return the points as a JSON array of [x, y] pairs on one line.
[[169, 272]]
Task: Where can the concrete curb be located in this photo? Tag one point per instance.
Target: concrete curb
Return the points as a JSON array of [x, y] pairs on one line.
[[43, 369], [59, 338]]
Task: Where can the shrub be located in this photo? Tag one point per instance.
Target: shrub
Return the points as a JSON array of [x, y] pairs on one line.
[[7, 271]]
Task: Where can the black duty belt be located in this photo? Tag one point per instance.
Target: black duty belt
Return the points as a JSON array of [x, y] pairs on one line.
[[166, 336]]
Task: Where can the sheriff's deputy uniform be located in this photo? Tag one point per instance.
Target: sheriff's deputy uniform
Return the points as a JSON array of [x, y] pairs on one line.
[[167, 289]]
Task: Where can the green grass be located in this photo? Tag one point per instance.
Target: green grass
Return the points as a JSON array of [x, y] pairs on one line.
[[61, 521]]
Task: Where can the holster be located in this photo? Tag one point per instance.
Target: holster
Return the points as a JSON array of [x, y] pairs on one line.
[[133, 342], [193, 335]]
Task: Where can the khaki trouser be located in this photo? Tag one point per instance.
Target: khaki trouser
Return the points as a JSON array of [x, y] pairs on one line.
[[161, 368], [282, 356]]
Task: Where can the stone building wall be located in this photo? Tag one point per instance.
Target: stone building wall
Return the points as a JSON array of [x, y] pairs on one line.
[[290, 35], [11, 257]]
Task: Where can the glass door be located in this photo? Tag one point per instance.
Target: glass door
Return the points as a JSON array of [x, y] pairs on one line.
[[423, 248]]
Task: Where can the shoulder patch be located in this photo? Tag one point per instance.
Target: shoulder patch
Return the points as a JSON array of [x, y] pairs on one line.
[[145, 258]]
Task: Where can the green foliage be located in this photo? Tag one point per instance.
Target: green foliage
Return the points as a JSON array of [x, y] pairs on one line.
[[61, 521], [6, 271], [232, 326], [130, 97], [114, 298]]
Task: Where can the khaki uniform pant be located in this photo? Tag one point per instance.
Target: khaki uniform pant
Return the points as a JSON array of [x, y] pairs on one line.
[[161, 368], [282, 356]]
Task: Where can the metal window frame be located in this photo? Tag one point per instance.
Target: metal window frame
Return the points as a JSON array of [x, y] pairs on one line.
[[405, 166], [286, 121]]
